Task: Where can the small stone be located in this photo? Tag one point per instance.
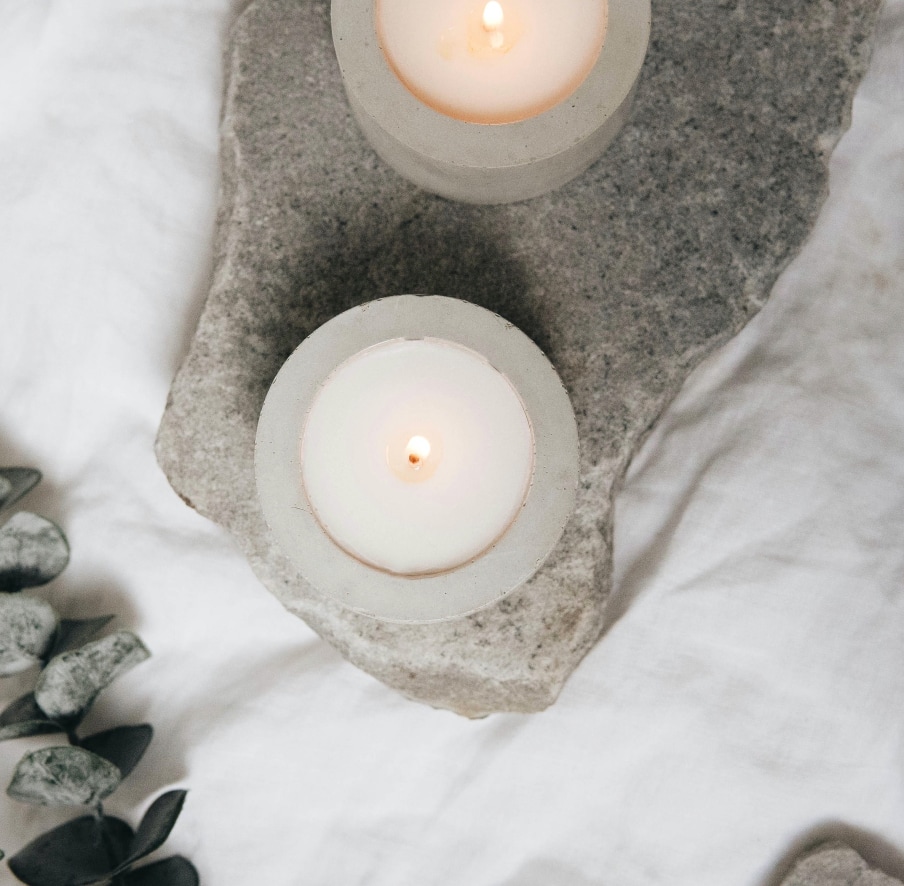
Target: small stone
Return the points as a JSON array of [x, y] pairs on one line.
[[835, 864], [626, 278]]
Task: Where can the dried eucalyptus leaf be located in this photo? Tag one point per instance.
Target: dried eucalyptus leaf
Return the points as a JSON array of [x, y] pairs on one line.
[[73, 633], [27, 729], [81, 851], [123, 746], [24, 717], [16, 483], [64, 776], [27, 627], [32, 552], [155, 827], [69, 684], [174, 871]]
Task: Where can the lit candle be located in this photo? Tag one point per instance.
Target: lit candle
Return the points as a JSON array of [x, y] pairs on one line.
[[490, 101], [494, 62], [417, 458]]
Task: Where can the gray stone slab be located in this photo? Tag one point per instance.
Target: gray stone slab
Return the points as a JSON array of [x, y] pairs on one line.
[[835, 864], [626, 278]]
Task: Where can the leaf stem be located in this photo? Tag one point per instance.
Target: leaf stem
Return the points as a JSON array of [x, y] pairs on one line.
[[106, 840]]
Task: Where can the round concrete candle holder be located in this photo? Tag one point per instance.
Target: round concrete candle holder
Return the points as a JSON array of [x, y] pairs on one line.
[[504, 565], [489, 163]]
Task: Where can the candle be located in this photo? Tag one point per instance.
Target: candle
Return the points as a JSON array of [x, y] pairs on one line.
[[490, 101], [493, 62], [416, 458]]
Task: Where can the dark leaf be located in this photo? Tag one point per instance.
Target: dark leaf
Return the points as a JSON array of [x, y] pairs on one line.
[[16, 483], [24, 717], [32, 552], [73, 633], [155, 827], [175, 871], [80, 851], [123, 746], [69, 684], [27, 626], [64, 776]]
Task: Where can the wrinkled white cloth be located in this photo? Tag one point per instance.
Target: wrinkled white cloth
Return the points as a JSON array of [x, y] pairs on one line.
[[749, 694]]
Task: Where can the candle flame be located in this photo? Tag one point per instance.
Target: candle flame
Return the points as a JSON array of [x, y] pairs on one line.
[[417, 450], [493, 16]]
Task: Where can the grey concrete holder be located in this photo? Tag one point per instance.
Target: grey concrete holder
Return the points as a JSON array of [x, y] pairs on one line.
[[625, 278], [483, 163]]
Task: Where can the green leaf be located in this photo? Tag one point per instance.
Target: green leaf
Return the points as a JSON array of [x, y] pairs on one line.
[[32, 552], [69, 684], [123, 746], [81, 851], [24, 717], [16, 483], [27, 626], [155, 827], [64, 776], [175, 871], [73, 633]]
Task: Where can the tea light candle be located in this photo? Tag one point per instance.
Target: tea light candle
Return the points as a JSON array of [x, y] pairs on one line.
[[493, 62], [416, 458], [490, 101]]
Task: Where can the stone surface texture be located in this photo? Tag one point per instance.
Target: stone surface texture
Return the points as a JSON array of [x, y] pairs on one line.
[[626, 278], [835, 864]]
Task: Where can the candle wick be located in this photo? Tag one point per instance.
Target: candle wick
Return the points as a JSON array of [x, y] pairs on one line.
[[417, 450]]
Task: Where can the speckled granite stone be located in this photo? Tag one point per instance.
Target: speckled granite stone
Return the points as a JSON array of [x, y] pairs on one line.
[[835, 864], [626, 278]]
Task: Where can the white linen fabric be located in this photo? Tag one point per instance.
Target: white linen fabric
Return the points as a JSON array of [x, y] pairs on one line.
[[749, 693]]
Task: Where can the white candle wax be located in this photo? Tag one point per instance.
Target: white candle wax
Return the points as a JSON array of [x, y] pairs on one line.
[[416, 456], [491, 62]]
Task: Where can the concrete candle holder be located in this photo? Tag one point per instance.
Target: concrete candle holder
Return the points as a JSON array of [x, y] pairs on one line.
[[489, 163], [514, 557]]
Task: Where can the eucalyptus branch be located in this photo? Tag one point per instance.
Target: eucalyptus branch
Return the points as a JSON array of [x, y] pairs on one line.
[[74, 668]]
